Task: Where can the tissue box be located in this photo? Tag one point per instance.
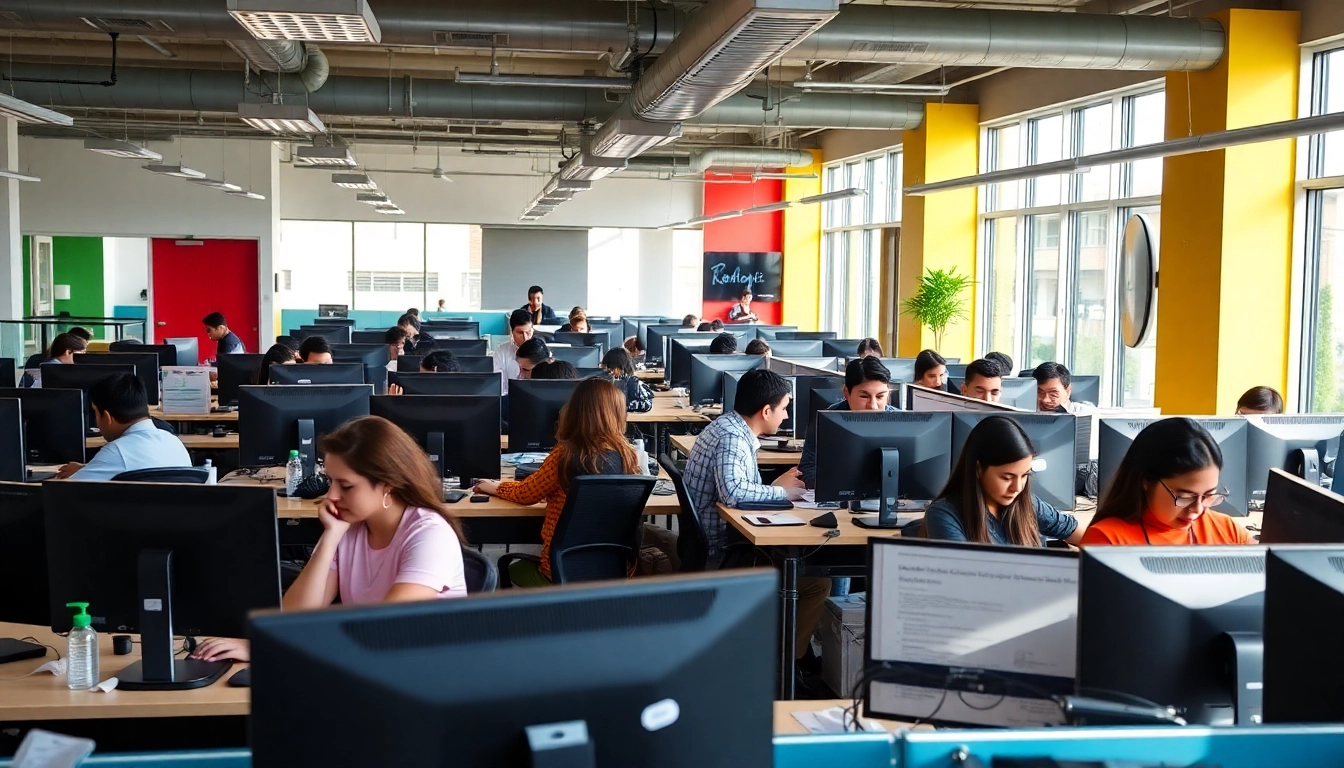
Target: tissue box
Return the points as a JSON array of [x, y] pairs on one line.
[[842, 635]]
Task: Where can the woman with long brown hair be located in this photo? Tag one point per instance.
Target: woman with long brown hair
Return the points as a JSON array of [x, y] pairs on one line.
[[387, 536], [590, 440]]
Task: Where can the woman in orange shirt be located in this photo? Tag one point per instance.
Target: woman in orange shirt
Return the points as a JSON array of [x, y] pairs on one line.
[[590, 440], [1165, 490]]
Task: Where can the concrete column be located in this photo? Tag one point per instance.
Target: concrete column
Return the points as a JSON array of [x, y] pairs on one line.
[[269, 243], [11, 245]]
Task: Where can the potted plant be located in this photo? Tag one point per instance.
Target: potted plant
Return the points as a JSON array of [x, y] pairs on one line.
[[939, 303]]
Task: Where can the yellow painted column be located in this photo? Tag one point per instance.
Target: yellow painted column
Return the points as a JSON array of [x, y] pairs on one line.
[[802, 250], [939, 231], [1227, 223]]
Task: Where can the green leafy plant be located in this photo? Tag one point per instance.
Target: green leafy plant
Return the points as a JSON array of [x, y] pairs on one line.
[[939, 302]]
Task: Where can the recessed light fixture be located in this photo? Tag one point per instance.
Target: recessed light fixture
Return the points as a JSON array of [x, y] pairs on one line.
[[280, 118], [332, 21], [353, 181], [115, 148], [178, 171]]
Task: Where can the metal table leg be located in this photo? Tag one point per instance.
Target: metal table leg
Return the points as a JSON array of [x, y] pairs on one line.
[[789, 599]]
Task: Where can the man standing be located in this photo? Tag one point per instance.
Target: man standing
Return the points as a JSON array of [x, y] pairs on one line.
[[537, 309], [227, 342]]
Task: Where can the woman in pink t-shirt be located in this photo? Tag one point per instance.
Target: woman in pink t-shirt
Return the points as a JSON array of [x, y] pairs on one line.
[[386, 535]]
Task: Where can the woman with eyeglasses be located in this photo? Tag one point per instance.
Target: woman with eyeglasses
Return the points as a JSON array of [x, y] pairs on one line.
[[1165, 490]]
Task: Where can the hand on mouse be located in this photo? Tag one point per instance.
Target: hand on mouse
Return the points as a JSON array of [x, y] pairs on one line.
[[68, 470], [488, 487]]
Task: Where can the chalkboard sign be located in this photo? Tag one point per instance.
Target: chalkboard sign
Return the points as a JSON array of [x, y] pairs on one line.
[[726, 274]]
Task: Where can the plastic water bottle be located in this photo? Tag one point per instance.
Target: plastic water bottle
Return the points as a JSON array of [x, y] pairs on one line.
[[642, 456], [214, 472], [293, 474], [82, 656]]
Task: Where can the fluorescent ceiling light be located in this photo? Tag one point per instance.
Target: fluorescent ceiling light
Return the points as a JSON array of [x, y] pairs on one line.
[[115, 148], [573, 185], [543, 81], [280, 118], [770, 207], [830, 197], [332, 21], [372, 198], [714, 217], [880, 89], [18, 176], [393, 211], [226, 186], [177, 171], [325, 157], [353, 181], [25, 112], [586, 167], [632, 137], [249, 194]]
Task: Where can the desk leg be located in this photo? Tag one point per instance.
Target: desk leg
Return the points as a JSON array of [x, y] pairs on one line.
[[789, 598]]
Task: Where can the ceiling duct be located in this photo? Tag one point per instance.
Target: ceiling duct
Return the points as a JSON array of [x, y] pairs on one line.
[[586, 167], [305, 60]]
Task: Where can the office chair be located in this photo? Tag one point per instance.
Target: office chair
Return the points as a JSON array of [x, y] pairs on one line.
[[692, 544], [597, 535], [190, 475], [482, 576]]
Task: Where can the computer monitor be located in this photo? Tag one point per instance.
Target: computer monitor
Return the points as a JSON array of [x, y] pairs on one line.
[[459, 682], [146, 366], [792, 349], [1306, 446], [891, 456], [1298, 512], [162, 560], [167, 352], [373, 357], [707, 374], [1304, 619], [348, 322], [235, 371], [1019, 393], [970, 634], [600, 341], [408, 364], [272, 421], [368, 337], [333, 310], [316, 373], [461, 347], [677, 356], [479, 384], [1115, 436], [636, 325], [655, 339], [460, 433], [901, 368], [54, 428], [335, 334], [956, 370], [807, 336], [840, 347], [534, 412], [822, 398], [9, 374], [23, 555], [1176, 626], [476, 363], [451, 329], [614, 329], [188, 350], [803, 385], [1052, 434], [766, 332], [81, 377], [13, 454], [925, 400], [579, 357]]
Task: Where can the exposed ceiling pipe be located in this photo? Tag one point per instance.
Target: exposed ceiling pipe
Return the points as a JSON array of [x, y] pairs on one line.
[[793, 109], [702, 160], [285, 57]]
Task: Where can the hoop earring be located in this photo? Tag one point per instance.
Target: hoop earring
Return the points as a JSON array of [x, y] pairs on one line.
[[385, 504]]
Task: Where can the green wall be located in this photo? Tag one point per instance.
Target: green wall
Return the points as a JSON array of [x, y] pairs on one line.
[[78, 263]]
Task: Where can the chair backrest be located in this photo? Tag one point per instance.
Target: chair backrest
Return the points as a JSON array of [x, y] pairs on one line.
[[597, 535], [692, 543], [482, 575], [194, 475]]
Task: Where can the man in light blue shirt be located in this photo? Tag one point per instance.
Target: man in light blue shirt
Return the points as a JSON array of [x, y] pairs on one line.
[[121, 411]]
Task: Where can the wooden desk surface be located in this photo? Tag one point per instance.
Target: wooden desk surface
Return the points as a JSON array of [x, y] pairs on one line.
[[650, 374], [212, 418], [667, 410], [787, 725], [192, 442], [769, 457], [803, 535], [46, 697]]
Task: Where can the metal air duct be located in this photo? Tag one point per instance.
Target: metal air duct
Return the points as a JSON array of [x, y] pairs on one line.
[[285, 56]]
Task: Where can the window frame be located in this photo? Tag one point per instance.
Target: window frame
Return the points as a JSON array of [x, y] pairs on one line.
[[850, 228]]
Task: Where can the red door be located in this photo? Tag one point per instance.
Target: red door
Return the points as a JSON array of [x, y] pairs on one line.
[[191, 281]]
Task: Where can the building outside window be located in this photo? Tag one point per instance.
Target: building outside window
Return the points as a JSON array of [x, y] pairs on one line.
[[1322, 360], [851, 245]]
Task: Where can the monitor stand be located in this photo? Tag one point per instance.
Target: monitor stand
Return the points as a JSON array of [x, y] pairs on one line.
[[886, 515], [308, 447], [158, 669], [1246, 664]]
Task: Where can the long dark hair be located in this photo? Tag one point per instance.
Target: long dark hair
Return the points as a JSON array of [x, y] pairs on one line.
[[592, 424], [1163, 450], [994, 442], [278, 354]]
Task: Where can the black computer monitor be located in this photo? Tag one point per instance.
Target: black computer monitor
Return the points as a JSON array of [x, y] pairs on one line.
[[677, 356], [235, 371], [476, 363], [167, 352], [23, 556], [600, 341], [333, 310], [707, 374], [636, 325], [766, 332], [801, 406], [534, 412], [886, 455], [579, 357], [373, 357], [146, 366], [956, 371], [461, 686], [449, 329], [13, 454], [272, 421], [9, 374], [462, 384], [162, 560], [1115, 436], [368, 337], [348, 322], [840, 347], [799, 348], [901, 368], [822, 398], [786, 427], [1015, 392], [408, 364], [318, 373], [614, 329], [1298, 512], [655, 338], [81, 377], [1052, 434], [188, 350], [970, 634], [54, 428], [807, 336], [1306, 446], [1177, 626], [460, 347], [334, 334], [460, 434], [1304, 619]]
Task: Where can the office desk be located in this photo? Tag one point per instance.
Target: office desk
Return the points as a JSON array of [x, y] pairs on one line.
[[225, 417], [764, 457], [192, 442], [650, 375], [46, 697], [787, 725]]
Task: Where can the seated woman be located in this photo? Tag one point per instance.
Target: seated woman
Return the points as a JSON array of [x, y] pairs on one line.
[[555, 370], [638, 396], [1165, 490], [930, 370], [578, 322], [62, 350], [635, 348], [988, 498], [1260, 401], [278, 354], [387, 536], [590, 440]]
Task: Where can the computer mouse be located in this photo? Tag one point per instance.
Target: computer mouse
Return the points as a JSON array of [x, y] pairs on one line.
[[479, 498], [219, 432], [826, 520]]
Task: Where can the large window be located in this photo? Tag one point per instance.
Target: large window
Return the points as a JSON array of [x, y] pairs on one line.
[[1051, 244], [1322, 379], [851, 248]]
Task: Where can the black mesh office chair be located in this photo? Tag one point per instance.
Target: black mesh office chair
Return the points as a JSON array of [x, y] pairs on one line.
[[692, 544], [191, 475], [482, 576], [597, 535]]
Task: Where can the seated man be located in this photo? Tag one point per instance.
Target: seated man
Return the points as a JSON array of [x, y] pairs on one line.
[[1054, 391], [723, 344], [984, 381], [121, 411], [217, 328], [395, 339], [315, 350], [867, 388]]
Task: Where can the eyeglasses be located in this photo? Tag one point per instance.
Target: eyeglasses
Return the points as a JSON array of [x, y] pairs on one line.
[[1187, 500]]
